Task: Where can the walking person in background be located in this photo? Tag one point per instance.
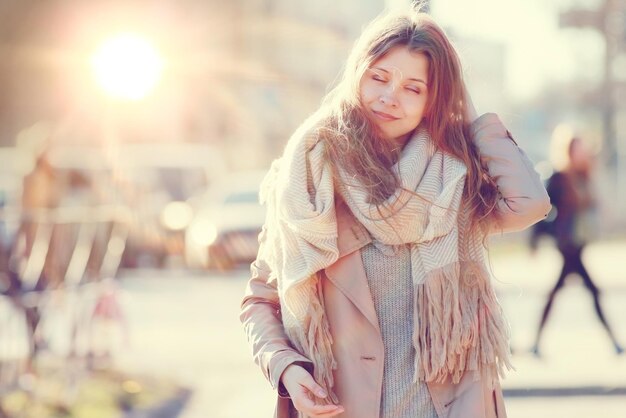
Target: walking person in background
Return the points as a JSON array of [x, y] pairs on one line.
[[41, 191], [370, 296], [570, 193], [41, 194]]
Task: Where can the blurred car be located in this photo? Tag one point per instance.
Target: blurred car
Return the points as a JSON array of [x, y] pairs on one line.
[[163, 178], [226, 224], [154, 180]]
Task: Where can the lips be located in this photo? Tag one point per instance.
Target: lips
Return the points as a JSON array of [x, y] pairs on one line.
[[384, 116]]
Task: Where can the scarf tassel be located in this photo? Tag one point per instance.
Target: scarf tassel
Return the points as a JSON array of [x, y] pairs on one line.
[[460, 326], [315, 341]]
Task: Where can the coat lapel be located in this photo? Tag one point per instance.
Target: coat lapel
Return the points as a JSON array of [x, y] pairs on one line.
[[348, 273]]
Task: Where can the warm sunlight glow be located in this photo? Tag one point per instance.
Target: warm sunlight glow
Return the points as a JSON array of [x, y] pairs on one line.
[[127, 66]]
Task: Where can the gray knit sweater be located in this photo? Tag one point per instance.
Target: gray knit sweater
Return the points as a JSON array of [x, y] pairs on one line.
[[388, 270]]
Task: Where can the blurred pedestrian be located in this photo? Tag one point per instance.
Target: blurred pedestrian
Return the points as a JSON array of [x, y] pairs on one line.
[[370, 296], [571, 194], [41, 191], [40, 195]]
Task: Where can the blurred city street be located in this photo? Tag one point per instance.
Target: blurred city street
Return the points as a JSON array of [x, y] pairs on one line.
[[135, 136], [186, 326]]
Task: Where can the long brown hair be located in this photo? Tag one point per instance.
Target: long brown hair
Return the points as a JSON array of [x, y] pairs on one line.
[[353, 143]]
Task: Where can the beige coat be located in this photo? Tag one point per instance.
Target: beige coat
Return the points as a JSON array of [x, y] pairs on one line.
[[358, 346]]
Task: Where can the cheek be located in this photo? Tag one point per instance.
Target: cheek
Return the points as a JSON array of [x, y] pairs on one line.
[[415, 107], [366, 93]]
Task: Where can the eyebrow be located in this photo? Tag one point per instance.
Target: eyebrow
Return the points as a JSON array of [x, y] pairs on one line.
[[419, 80]]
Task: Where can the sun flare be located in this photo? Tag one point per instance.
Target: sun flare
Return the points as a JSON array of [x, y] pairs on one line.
[[127, 66]]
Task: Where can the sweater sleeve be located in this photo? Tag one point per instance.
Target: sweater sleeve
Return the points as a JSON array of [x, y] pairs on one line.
[[523, 200], [261, 319]]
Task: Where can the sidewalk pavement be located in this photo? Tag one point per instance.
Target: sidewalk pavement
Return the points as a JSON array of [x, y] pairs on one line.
[[578, 358], [187, 327]]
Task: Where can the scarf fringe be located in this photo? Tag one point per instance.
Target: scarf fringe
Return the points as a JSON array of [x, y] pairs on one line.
[[461, 326], [315, 341]]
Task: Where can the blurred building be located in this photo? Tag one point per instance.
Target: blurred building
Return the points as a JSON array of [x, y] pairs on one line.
[[483, 66], [241, 75], [299, 48]]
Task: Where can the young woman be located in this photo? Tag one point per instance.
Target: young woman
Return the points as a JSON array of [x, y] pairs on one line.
[[370, 296]]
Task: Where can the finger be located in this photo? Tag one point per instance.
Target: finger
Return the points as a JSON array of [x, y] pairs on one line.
[[303, 403], [309, 407], [323, 411], [310, 383], [329, 414]]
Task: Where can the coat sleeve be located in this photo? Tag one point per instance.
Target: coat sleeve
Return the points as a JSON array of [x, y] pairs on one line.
[[261, 319], [523, 198]]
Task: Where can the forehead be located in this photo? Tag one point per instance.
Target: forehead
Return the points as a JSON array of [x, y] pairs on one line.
[[404, 62]]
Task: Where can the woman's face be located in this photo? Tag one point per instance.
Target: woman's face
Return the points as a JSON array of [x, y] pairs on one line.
[[580, 156], [393, 92]]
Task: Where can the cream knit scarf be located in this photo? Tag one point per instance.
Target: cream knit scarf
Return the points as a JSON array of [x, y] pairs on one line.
[[458, 322]]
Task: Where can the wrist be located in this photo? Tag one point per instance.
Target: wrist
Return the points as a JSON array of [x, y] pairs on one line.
[[282, 388], [287, 369]]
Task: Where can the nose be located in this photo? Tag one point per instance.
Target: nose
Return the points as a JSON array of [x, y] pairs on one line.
[[388, 96]]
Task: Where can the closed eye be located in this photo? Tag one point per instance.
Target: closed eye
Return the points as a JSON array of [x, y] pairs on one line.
[[377, 76]]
